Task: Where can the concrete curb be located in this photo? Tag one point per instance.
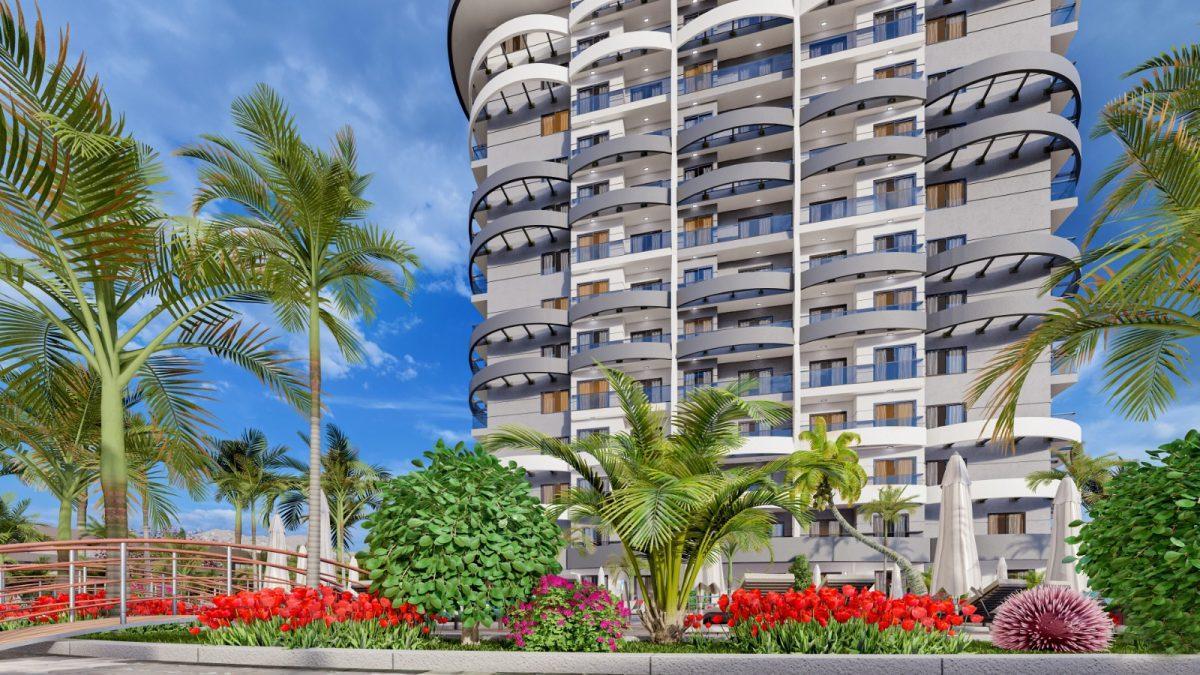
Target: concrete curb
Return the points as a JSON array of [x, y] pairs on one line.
[[623, 664]]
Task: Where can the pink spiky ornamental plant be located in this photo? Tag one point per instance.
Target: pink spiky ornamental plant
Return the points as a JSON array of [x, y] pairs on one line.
[[1052, 619]]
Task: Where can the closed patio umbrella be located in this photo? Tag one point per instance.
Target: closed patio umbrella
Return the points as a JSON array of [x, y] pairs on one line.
[[275, 576], [1068, 508], [956, 562], [897, 589], [1001, 569], [301, 563], [326, 537], [816, 575]]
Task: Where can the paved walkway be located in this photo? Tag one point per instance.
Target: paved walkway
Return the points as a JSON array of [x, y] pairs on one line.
[[50, 632], [68, 665]]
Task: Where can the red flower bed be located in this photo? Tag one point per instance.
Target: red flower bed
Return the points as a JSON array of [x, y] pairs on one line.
[[53, 608], [302, 606], [823, 605]]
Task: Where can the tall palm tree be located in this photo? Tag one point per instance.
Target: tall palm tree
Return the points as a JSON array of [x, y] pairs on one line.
[[102, 277], [1091, 474], [666, 494], [350, 484], [1137, 290], [246, 471], [300, 212], [828, 470], [891, 505]]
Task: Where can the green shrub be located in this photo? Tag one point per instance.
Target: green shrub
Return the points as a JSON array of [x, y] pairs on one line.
[[851, 637], [801, 572], [1141, 549], [462, 536]]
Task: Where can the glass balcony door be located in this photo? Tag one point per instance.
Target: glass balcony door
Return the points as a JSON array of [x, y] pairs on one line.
[[827, 373]]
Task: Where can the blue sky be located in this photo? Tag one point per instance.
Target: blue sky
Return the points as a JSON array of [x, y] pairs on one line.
[[380, 66]]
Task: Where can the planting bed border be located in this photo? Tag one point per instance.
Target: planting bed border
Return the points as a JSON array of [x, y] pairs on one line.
[[622, 664]]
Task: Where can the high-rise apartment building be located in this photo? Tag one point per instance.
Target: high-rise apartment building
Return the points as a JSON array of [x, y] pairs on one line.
[[851, 202]]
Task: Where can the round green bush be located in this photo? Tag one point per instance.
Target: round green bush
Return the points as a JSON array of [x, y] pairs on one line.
[[801, 572], [1141, 549], [462, 536]]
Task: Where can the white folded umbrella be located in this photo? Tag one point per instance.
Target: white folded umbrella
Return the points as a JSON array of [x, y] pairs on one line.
[[956, 568], [275, 575], [1068, 508], [1001, 569]]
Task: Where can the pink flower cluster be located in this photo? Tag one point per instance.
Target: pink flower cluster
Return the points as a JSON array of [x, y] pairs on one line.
[[564, 615]]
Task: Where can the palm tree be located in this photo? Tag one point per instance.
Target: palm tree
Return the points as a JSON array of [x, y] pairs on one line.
[[1136, 291], [1091, 474], [828, 470], [350, 485], [302, 216], [15, 525], [103, 278], [665, 494], [891, 505], [247, 470]]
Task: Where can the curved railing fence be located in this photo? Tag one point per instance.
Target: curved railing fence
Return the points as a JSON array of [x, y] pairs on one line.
[[60, 581]]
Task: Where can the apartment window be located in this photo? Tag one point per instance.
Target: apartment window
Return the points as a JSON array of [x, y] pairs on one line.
[[945, 28], [592, 288], [592, 246], [555, 261], [646, 241], [892, 23], [592, 394], [652, 335], [692, 120], [896, 414], [821, 258], [895, 363], [585, 42], [891, 528], [939, 301], [944, 244], [697, 171], [692, 326], [1006, 523], [895, 193], [558, 351], [941, 131], [935, 471], [896, 241], [757, 381], [896, 298], [902, 127], [556, 303], [556, 122], [652, 388], [697, 274], [592, 189], [698, 231], [556, 401], [833, 420], [828, 312], [827, 373], [828, 527], [949, 361], [586, 339], [591, 140], [782, 527], [902, 471], [697, 378], [552, 490], [588, 433], [655, 285], [756, 321], [906, 69], [697, 70], [946, 195], [945, 414]]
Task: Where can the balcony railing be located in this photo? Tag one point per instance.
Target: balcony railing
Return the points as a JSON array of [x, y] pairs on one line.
[[864, 36], [736, 188], [478, 283], [739, 134], [779, 63], [609, 99], [1064, 14], [777, 384], [1061, 364], [611, 58], [620, 247], [763, 431], [846, 208], [579, 197], [1063, 188], [660, 286], [909, 421], [878, 372], [735, 28], [837, 85], [777, 324], [745, 229], [825, 316], [479, 419], [825, 260], [909, 479], [691, 282], [586, 347], [479, 152], [608, 399], [657, 132]]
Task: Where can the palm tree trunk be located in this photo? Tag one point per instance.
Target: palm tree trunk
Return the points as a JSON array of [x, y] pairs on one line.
[[63, 532], [237, 523], [81, 510], [114, 470], [312, 573], [912, 578]]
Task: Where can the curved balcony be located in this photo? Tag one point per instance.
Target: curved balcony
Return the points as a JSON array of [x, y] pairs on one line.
[[864, 95], [987, 311], [638, 196], [864, 265], [615, 302], [760, 118], [1023, 246], [524, 322], [744, 229], [777, 64], [861, 37], [992, 69], [530, 72], [980, 432], [861, 206], [618, 45], [729, 180], [620, 351], [523, 173], [468, 22], [730, 340], [888, 371], [618, 150], [641, 91], [581, 10], [522, 370], [609, 399], [906, 317], [883, 431], [734, 287], [710, 22], [776, 385], [553, 27], [1021, 124], [861, 153], [522, 225]]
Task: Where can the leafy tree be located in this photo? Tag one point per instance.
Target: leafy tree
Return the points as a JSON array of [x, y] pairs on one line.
[[300, 212], [462, 535], [1141, 548], [101, 277], [829, 469], [801, 573], [247, 470], [1137, 290], [351, 487], [1091, 474], [666, 494]]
